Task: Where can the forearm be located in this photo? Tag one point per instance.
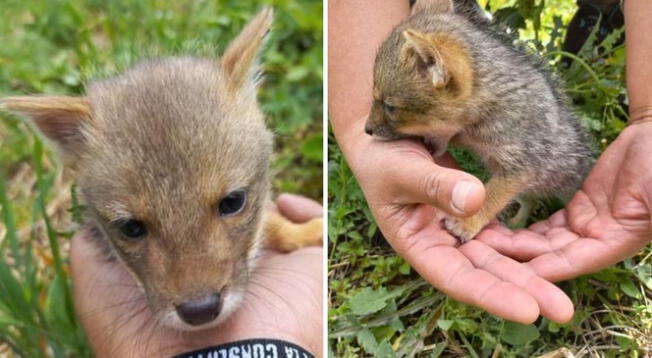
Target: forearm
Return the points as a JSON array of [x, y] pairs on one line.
[[356, 29], [638, 28]]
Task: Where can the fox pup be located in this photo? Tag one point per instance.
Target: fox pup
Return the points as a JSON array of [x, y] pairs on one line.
[[172, 164], [447, 80]]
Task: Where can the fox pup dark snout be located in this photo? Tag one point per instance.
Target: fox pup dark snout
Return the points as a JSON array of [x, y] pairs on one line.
[[172, 163], [447, 80]]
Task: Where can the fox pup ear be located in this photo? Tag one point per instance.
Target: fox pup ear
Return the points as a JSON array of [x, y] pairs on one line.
[[423, 52], [59, 118], [239, 59], [433, 6]]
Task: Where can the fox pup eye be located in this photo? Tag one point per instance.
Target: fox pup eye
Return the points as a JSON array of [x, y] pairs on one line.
[[388, 108], [232, 203], [132, 229]]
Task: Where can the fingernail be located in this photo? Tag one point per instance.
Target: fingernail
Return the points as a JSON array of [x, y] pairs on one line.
[[460, 193]]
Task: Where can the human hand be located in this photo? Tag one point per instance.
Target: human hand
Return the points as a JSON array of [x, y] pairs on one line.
[[607, 220], [284, 289], [408, 193]]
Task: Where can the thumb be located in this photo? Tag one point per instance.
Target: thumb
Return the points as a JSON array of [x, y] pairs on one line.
[[297, 208], [418, 180]]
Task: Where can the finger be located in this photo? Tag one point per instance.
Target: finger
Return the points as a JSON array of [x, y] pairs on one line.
[[497, 227], [524, 245], [557, 219], [552, 301], [419, 180], [446, 268], [573, 260], [104, 294], [88, 263], [540, 227], [298, 208], [86, 258], [584, 256]]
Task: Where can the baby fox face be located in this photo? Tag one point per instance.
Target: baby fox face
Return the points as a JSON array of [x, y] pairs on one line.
[[421, 82], [172, 163]]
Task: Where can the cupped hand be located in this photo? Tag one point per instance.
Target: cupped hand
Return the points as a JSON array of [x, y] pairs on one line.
[[284, 289], [408, 193], [607, 220]]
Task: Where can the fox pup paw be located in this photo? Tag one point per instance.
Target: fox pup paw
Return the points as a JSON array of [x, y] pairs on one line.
[[463, 229], [313, 235], [284, 235]]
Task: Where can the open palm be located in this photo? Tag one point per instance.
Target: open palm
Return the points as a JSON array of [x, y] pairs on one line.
[[607, 221], [404, 187]]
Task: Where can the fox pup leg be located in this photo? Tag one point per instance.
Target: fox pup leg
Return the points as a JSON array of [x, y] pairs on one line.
[[526, 204], [284, 235], [500, 191]]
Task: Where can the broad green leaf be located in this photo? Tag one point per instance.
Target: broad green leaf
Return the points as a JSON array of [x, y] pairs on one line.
[[404, 268], [384, 351], [644, 273], [367, 340], [445, 324], [519, 334], [438, 350], [368, 300], [629, 288]]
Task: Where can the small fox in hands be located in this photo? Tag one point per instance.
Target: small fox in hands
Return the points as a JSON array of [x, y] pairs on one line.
[[447, 80], [172, 164]]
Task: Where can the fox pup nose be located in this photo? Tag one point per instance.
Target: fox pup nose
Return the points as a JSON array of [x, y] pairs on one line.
[[199, 311], [368, 130]]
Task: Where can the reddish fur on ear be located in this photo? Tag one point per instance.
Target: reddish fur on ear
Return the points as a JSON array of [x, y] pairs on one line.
[[59, 118], [423, 51], [239, 59]]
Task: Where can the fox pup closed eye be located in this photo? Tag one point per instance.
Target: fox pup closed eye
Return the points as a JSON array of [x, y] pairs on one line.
[[448, 80], [172, 164]]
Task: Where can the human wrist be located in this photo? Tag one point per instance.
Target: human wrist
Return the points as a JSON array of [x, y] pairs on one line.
[[351, 139], [251, 347], [173, 344], [640, 114], [196, 342]]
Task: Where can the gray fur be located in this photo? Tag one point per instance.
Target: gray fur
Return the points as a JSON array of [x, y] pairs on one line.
[[518, 108], [447, 78]]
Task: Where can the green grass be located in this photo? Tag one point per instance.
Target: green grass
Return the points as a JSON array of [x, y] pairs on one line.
[[54, 47], [380, 307]]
